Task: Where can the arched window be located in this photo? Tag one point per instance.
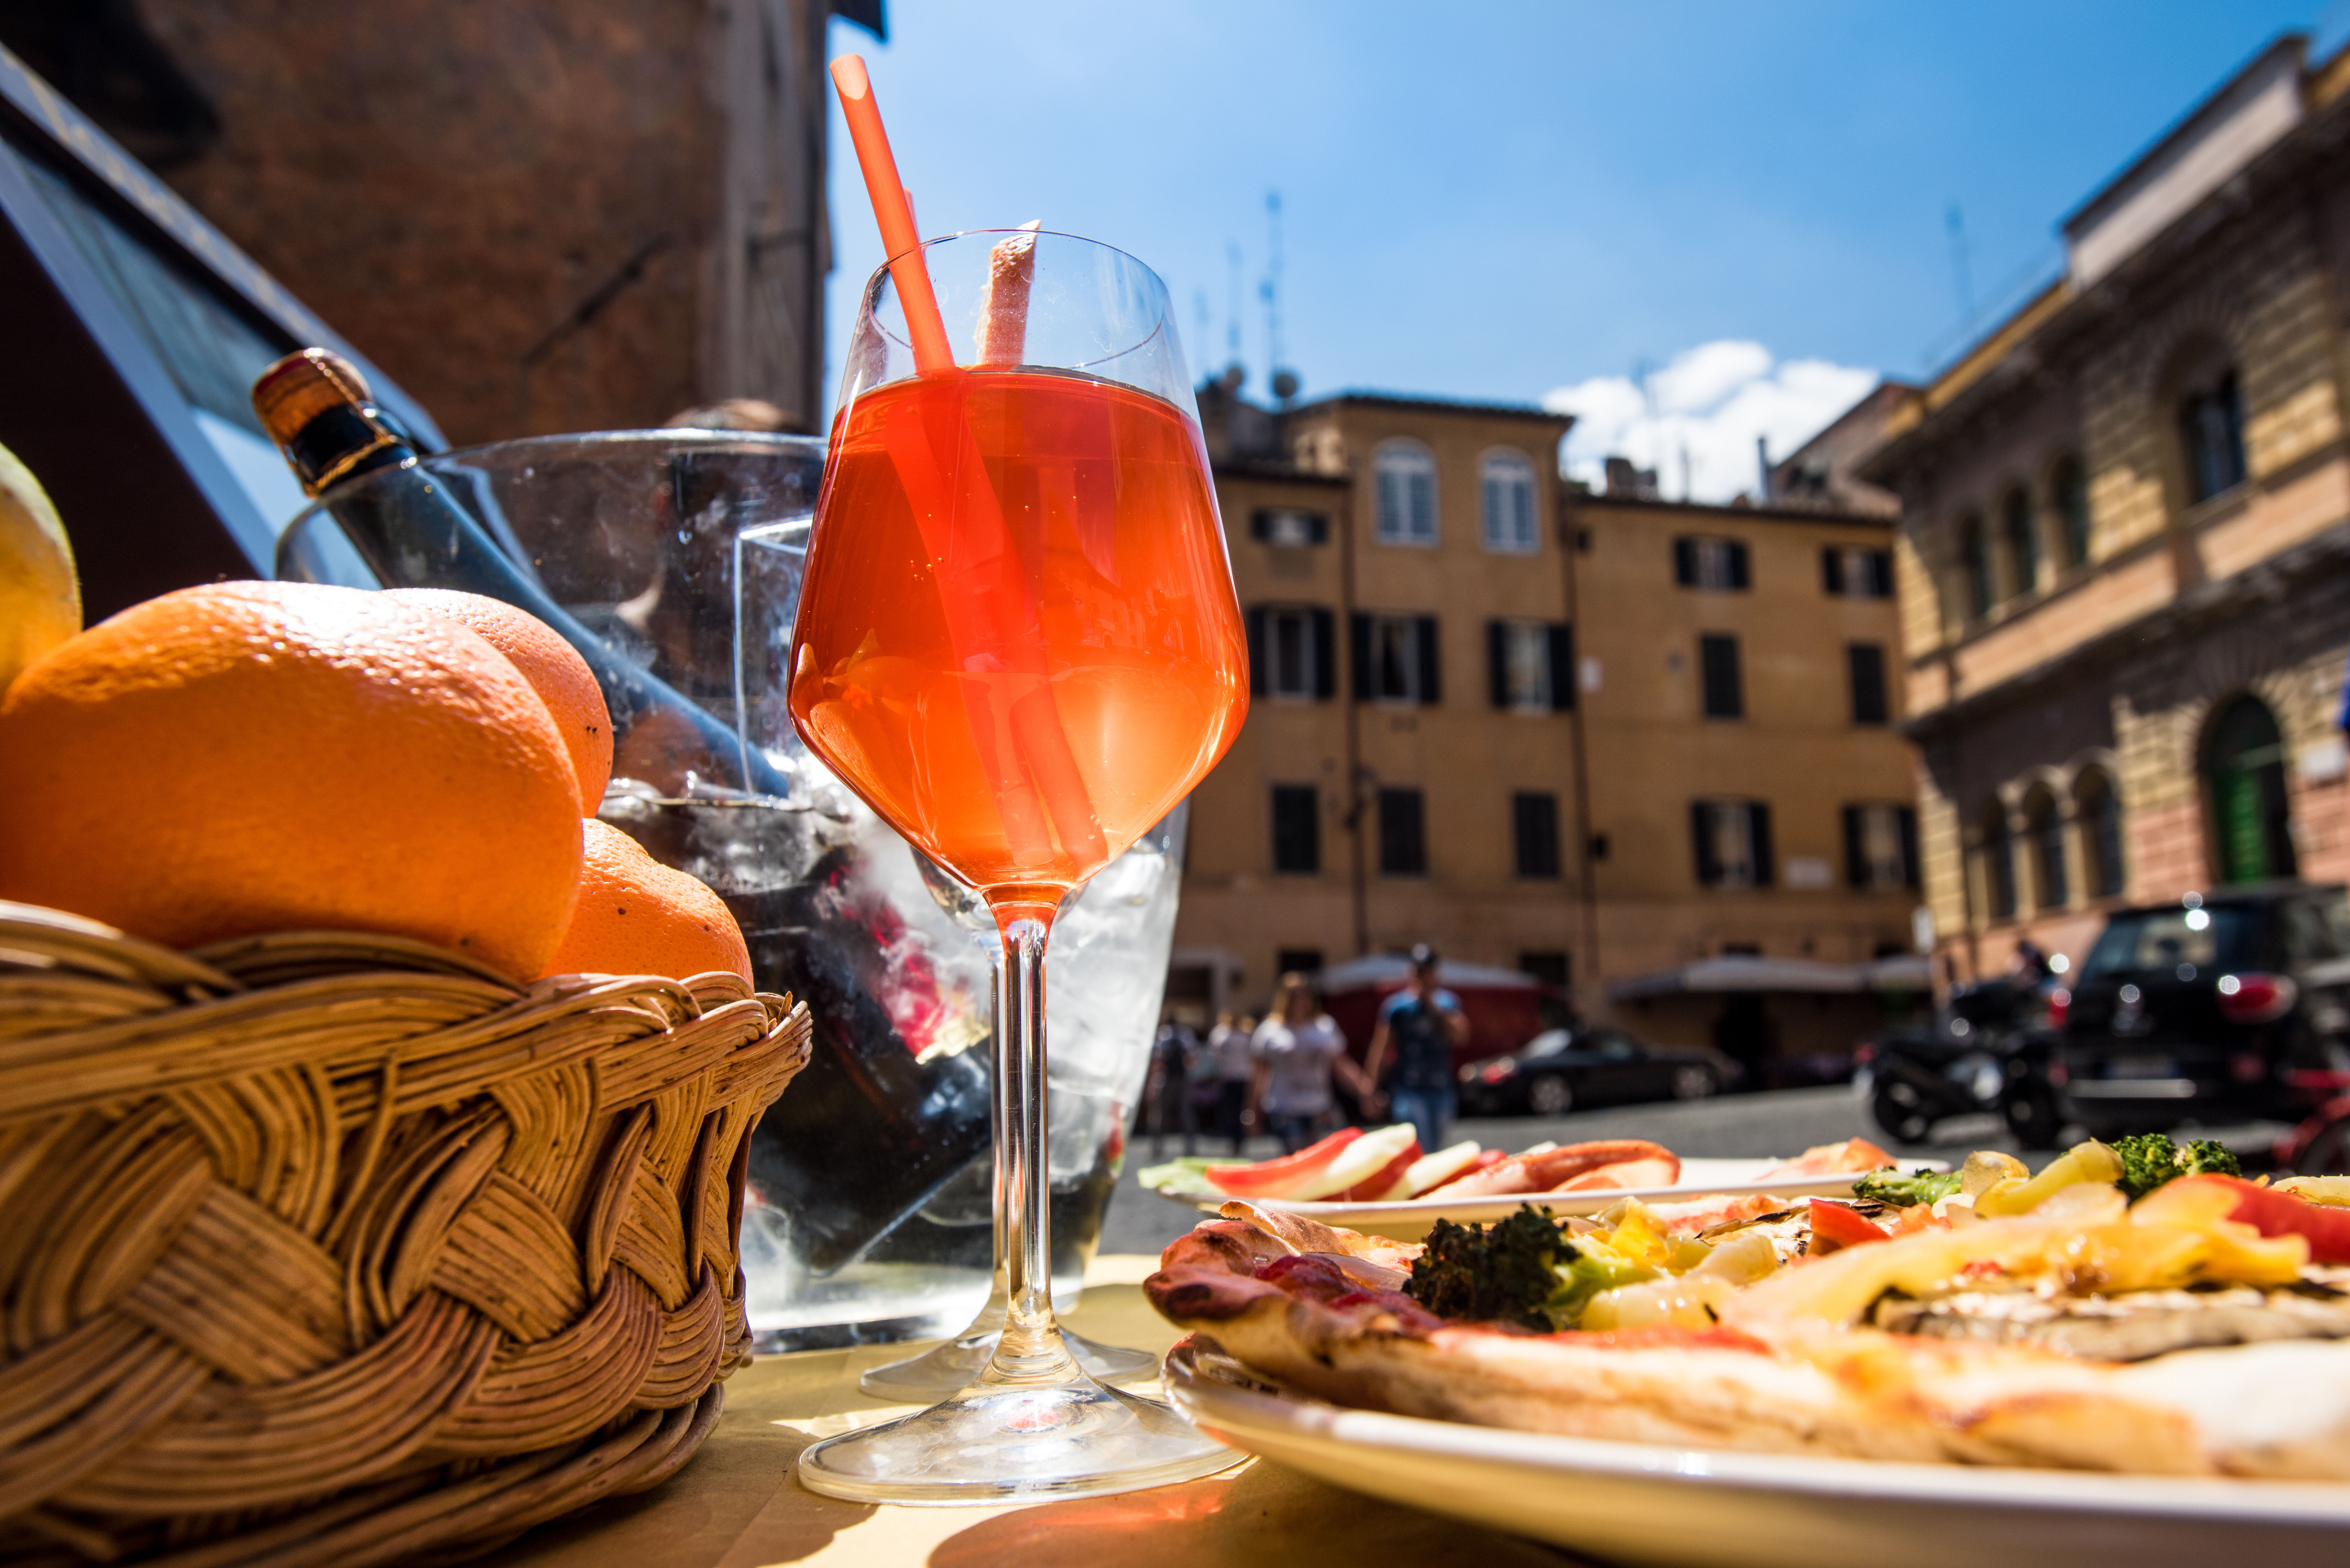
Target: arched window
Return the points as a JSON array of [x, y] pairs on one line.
[[2068, 486], [2243, 769], [1974, 559], [2098, 809], [1998, 863], [2045, 826], [2210, 411], [1506, 483], [2019, 535], [1407, 494]]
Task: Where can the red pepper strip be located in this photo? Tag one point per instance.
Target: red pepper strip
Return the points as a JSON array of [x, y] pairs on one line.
[[2274, 1213], [1376, 1184], [1268, 1177], [1835, 1223]]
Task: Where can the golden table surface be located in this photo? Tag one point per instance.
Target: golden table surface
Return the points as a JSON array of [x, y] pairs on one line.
[[737, 1504]]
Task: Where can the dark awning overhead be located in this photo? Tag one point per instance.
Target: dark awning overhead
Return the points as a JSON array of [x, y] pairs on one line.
[[1746, 973]]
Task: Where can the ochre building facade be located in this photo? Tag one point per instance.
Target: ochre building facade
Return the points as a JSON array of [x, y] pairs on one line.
[[1599, 738], [2124, 542]]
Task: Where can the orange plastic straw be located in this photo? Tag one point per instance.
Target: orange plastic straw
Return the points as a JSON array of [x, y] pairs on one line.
[[895, 214], [1039, 792], [1003, 304]]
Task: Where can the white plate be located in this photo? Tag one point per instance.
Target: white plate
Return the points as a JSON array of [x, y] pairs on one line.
[[1410, 1218], [1640, 1502]]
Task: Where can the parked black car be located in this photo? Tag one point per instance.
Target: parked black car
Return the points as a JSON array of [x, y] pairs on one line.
[[2224, 1006], [1560, 1069]]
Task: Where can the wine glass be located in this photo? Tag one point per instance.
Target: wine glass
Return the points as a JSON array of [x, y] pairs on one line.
[[1018, 642]]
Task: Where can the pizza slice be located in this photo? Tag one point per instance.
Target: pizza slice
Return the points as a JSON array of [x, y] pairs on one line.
[[1752, 1332]]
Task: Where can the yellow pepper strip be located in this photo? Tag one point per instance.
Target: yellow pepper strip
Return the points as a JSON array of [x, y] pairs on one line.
[[1986, 1169], [2089, 1161], [2186, 1246], [2334, 1192]]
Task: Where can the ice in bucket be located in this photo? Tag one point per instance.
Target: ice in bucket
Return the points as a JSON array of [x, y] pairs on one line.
[[867, 1215]]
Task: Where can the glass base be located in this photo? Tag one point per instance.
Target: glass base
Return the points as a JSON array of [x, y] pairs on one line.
[[956, 1365], [1015, 1441]]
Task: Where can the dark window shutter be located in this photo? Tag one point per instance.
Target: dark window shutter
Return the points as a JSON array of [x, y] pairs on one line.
[[1855, 854], [1403, 838], [1431, 689], [1880, 574], [1708, 869], [1296, 830], [1758, 835], [1260, 525], [1359, 635], [1561, 668], [1718, 666], [1326, 654], [1831, 570], [1260, 676], [1867, 664], [1320, 533], [1497, 662], [1534, 823], [1738, 577], [1685, 561], [1907, 818]]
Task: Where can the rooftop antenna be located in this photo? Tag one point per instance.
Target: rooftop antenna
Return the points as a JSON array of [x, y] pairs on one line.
[[1644, 371], [1957, 225], [1280, 378], [1233, 319]]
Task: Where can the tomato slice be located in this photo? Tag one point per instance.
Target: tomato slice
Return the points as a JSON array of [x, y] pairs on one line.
[[2274, 1213], [1273, 1178], [1382, 1182], [1835, 1224]]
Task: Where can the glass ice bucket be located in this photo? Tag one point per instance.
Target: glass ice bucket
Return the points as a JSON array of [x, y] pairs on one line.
[[867, 1216]]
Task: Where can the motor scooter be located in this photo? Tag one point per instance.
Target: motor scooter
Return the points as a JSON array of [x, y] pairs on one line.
[[1957, 1067]]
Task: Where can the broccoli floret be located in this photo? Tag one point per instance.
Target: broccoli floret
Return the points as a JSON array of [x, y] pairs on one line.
[[1891, 1188], [2208, 1157], [1504, 1271], [2150, 1159], [1586, 1277]]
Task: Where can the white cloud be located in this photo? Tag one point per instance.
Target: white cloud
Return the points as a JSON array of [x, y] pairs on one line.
[[1709, 402]]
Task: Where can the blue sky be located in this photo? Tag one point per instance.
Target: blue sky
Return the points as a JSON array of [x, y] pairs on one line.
[[1734, 215]]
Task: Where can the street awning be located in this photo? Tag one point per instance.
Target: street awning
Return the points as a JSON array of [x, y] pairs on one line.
[[1747, 972], [1394, 969]]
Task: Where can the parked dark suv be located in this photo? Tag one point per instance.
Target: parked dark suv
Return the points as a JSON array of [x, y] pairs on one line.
[[2222, 1007]]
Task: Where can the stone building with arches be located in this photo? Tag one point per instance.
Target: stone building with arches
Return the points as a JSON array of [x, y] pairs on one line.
[[2124, 554]]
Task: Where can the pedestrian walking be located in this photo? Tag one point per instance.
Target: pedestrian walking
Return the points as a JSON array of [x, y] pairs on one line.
[[1298, 1050], [1230, 1055], [1420, 1028], [1167, 1094]]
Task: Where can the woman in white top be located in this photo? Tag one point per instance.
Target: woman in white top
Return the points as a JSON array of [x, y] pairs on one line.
[[1297, 1049]]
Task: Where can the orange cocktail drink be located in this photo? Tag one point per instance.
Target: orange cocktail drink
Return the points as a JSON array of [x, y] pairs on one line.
[[1022, 647], [1017, 640]]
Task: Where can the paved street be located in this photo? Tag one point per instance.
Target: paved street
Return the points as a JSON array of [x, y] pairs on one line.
[[1783, 1122]]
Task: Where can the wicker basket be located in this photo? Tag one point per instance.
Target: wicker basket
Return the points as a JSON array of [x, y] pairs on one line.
[[328, 1248]]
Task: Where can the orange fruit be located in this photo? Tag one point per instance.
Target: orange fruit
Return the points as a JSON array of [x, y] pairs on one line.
[[250, 757], [637, 916], [551, 665]]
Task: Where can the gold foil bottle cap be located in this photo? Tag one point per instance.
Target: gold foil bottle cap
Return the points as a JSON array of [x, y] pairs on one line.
[[301, 387]]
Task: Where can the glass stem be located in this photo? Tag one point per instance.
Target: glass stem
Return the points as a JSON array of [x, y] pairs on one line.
[[1031, 1349]]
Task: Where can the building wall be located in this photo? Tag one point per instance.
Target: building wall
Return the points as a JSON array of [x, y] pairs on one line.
[[1607, 566], [2122, 664], [1652, 752], [538, 217], [1465, 757]]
